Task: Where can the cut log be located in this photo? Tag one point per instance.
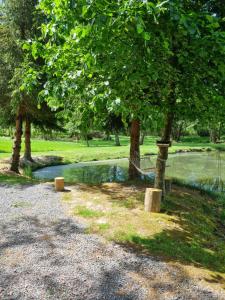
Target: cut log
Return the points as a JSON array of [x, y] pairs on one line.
[[59, 184], [153, 200]]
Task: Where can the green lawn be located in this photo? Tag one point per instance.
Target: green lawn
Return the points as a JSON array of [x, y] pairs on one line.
[[99, 149]]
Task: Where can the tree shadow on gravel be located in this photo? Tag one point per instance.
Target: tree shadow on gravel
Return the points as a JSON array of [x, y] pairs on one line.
[[29, 230], [38, 255], [148, 278]]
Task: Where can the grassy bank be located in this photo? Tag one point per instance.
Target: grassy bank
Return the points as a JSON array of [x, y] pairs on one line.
[[99, 149], [8, 178], [189, 231]]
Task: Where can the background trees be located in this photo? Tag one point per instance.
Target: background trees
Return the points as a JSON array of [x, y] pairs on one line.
[[17, 25], [19, 22]]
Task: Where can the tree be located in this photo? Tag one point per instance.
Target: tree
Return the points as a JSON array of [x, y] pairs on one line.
[[20, 105], [91, 56], [98, 66], [17, 26], [188, 29]]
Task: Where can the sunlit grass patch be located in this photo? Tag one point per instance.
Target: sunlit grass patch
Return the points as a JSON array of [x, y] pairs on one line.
[[85, 212]]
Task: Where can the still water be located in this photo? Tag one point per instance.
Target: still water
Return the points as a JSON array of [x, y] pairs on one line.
[[200, 169]]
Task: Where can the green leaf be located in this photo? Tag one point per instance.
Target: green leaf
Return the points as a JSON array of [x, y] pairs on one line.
[[84, 10], [147, 36], [140, 28]]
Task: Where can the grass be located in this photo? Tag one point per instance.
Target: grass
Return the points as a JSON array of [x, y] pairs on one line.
[[85, 212], [15, 179], [189, 231], [99, 149]]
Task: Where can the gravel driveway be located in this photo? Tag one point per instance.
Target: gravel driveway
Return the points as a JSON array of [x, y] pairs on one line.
[[44, 254]]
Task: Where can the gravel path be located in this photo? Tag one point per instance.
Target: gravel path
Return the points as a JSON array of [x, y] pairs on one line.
[[44, 254]]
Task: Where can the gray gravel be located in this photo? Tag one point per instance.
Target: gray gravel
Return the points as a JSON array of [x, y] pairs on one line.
[[44, 254]]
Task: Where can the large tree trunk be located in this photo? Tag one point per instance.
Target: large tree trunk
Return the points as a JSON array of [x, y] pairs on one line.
[[27, 153], [17, 144], [117, 139], [134, 149], [163, 154]]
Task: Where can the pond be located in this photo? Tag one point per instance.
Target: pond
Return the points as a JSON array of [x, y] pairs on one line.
[[205, 169]]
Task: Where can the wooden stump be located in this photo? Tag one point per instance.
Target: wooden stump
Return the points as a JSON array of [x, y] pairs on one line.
[[153, 200], [168, 185], [59, 184]]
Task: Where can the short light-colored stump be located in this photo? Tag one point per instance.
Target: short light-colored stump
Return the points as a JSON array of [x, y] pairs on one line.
[[153, 200], [59, 184]]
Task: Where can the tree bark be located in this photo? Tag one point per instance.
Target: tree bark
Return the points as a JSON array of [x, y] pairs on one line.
[[27, 153], [17, 144], [117, 139], [163, 154], [134, 149]]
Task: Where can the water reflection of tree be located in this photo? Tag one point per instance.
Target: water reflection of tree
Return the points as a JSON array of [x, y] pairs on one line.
[[201, 170], [218, 183], [96, 174]]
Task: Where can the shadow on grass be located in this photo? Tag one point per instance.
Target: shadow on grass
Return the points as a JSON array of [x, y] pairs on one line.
[[199, 235]]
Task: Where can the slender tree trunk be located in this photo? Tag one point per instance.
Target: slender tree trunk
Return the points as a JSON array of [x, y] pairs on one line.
[[87, 141], [27, 153], [213, 136], [117, 139], [142, 138], [17, 144], [163, 154], [219, 131], [134, 149], [107, 136], [169, 119], [10, 132], [177, 131]]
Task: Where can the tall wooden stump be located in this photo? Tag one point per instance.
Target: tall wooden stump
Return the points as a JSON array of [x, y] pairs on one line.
[[153, 200], [59, 184], [161, 166]]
